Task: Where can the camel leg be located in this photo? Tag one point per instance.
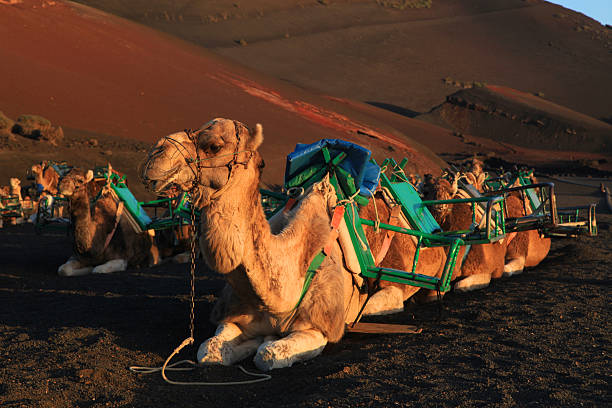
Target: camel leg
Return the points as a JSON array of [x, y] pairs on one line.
[[73, 267], [473, 282], [115, 265], [227, 346], [389, 299], [298, 346], [514, 266]]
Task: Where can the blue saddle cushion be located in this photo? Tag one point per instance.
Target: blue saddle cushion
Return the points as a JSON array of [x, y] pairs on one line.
[[357, 162]]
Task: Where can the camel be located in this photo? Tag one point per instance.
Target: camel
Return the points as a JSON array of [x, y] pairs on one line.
[[528, 248], [46, 178], [483, 262], [12, 190], [15, 187], [264, 263], [103, 240]]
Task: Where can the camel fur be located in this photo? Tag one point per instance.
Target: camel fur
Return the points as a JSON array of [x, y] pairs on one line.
[[101, 244], [264, 262]]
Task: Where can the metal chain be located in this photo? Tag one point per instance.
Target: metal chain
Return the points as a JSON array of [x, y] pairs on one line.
[[194, 236]]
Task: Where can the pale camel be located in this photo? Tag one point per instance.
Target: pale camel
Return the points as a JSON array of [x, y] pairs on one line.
[[528, 248], [483, 261], [15, 187], [103, 240], [265, 263]]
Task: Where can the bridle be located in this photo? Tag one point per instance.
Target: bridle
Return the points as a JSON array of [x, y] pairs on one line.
[[196, 164]]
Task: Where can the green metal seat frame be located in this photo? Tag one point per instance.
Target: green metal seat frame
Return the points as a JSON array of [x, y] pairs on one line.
[[545, 216]]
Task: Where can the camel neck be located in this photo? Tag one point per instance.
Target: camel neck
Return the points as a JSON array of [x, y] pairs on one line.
[[237, 242], [230, 226], [80, 214]]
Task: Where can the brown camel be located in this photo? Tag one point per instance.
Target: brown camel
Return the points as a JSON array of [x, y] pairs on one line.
[[46, 178], [103, 240], [265, 263], [391, 296], [528, 248], [475, 269]]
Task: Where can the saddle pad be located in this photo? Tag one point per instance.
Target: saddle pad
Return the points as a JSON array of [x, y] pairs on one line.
[[364, 172], [132, 206]]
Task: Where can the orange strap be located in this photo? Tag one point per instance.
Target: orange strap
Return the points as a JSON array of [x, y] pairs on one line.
[[335, 224], [388, 236], [110, 236]]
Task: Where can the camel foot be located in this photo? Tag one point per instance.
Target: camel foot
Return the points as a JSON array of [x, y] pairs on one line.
[[226, 347], [115, 265], [473, 282], [514, 267], [388, 300], [297, 346], [73, 267], [182, 258]]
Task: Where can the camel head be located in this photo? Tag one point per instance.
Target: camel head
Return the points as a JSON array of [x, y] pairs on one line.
[[37, 171], [440, 188], [15, 184], [207, 161], [74, 180]]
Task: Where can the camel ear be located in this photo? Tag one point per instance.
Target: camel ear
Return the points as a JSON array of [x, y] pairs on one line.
[[481, 178], [256, 138], [89, 176]]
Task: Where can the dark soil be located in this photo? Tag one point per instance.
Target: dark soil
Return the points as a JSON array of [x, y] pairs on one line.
[[539, 339]]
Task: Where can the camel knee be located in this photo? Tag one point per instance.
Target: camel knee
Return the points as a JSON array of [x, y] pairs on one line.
[[73, 267], [388, 300], [473, 282], [115, 265], [514, 266], [297, 346]]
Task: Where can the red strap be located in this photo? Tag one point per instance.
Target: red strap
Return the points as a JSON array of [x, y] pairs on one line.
[[335, 224], [289, 205]]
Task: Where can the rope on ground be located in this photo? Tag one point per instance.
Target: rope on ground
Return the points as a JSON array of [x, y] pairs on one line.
[[193, 364]]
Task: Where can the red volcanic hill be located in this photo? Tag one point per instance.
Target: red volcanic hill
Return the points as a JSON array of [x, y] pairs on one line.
[[88, 70], [396, 53]]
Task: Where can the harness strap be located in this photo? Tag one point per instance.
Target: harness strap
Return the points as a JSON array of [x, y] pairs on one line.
[[335, 224], [109, 237], [320, 257], [395, 214], [290, 204]]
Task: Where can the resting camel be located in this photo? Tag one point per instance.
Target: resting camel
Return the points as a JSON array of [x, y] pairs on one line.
[[528, 248], [46, 178], [103, 240], [482, 262], [264, 263]]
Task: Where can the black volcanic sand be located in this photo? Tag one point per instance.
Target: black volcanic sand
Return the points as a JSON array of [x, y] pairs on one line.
[[538, 339]]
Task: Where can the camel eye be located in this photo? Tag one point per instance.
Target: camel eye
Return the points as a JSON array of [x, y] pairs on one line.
[[214, 148]]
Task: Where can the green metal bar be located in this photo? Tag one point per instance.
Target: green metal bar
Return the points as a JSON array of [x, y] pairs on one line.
[[432, 237], [415, 259]]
